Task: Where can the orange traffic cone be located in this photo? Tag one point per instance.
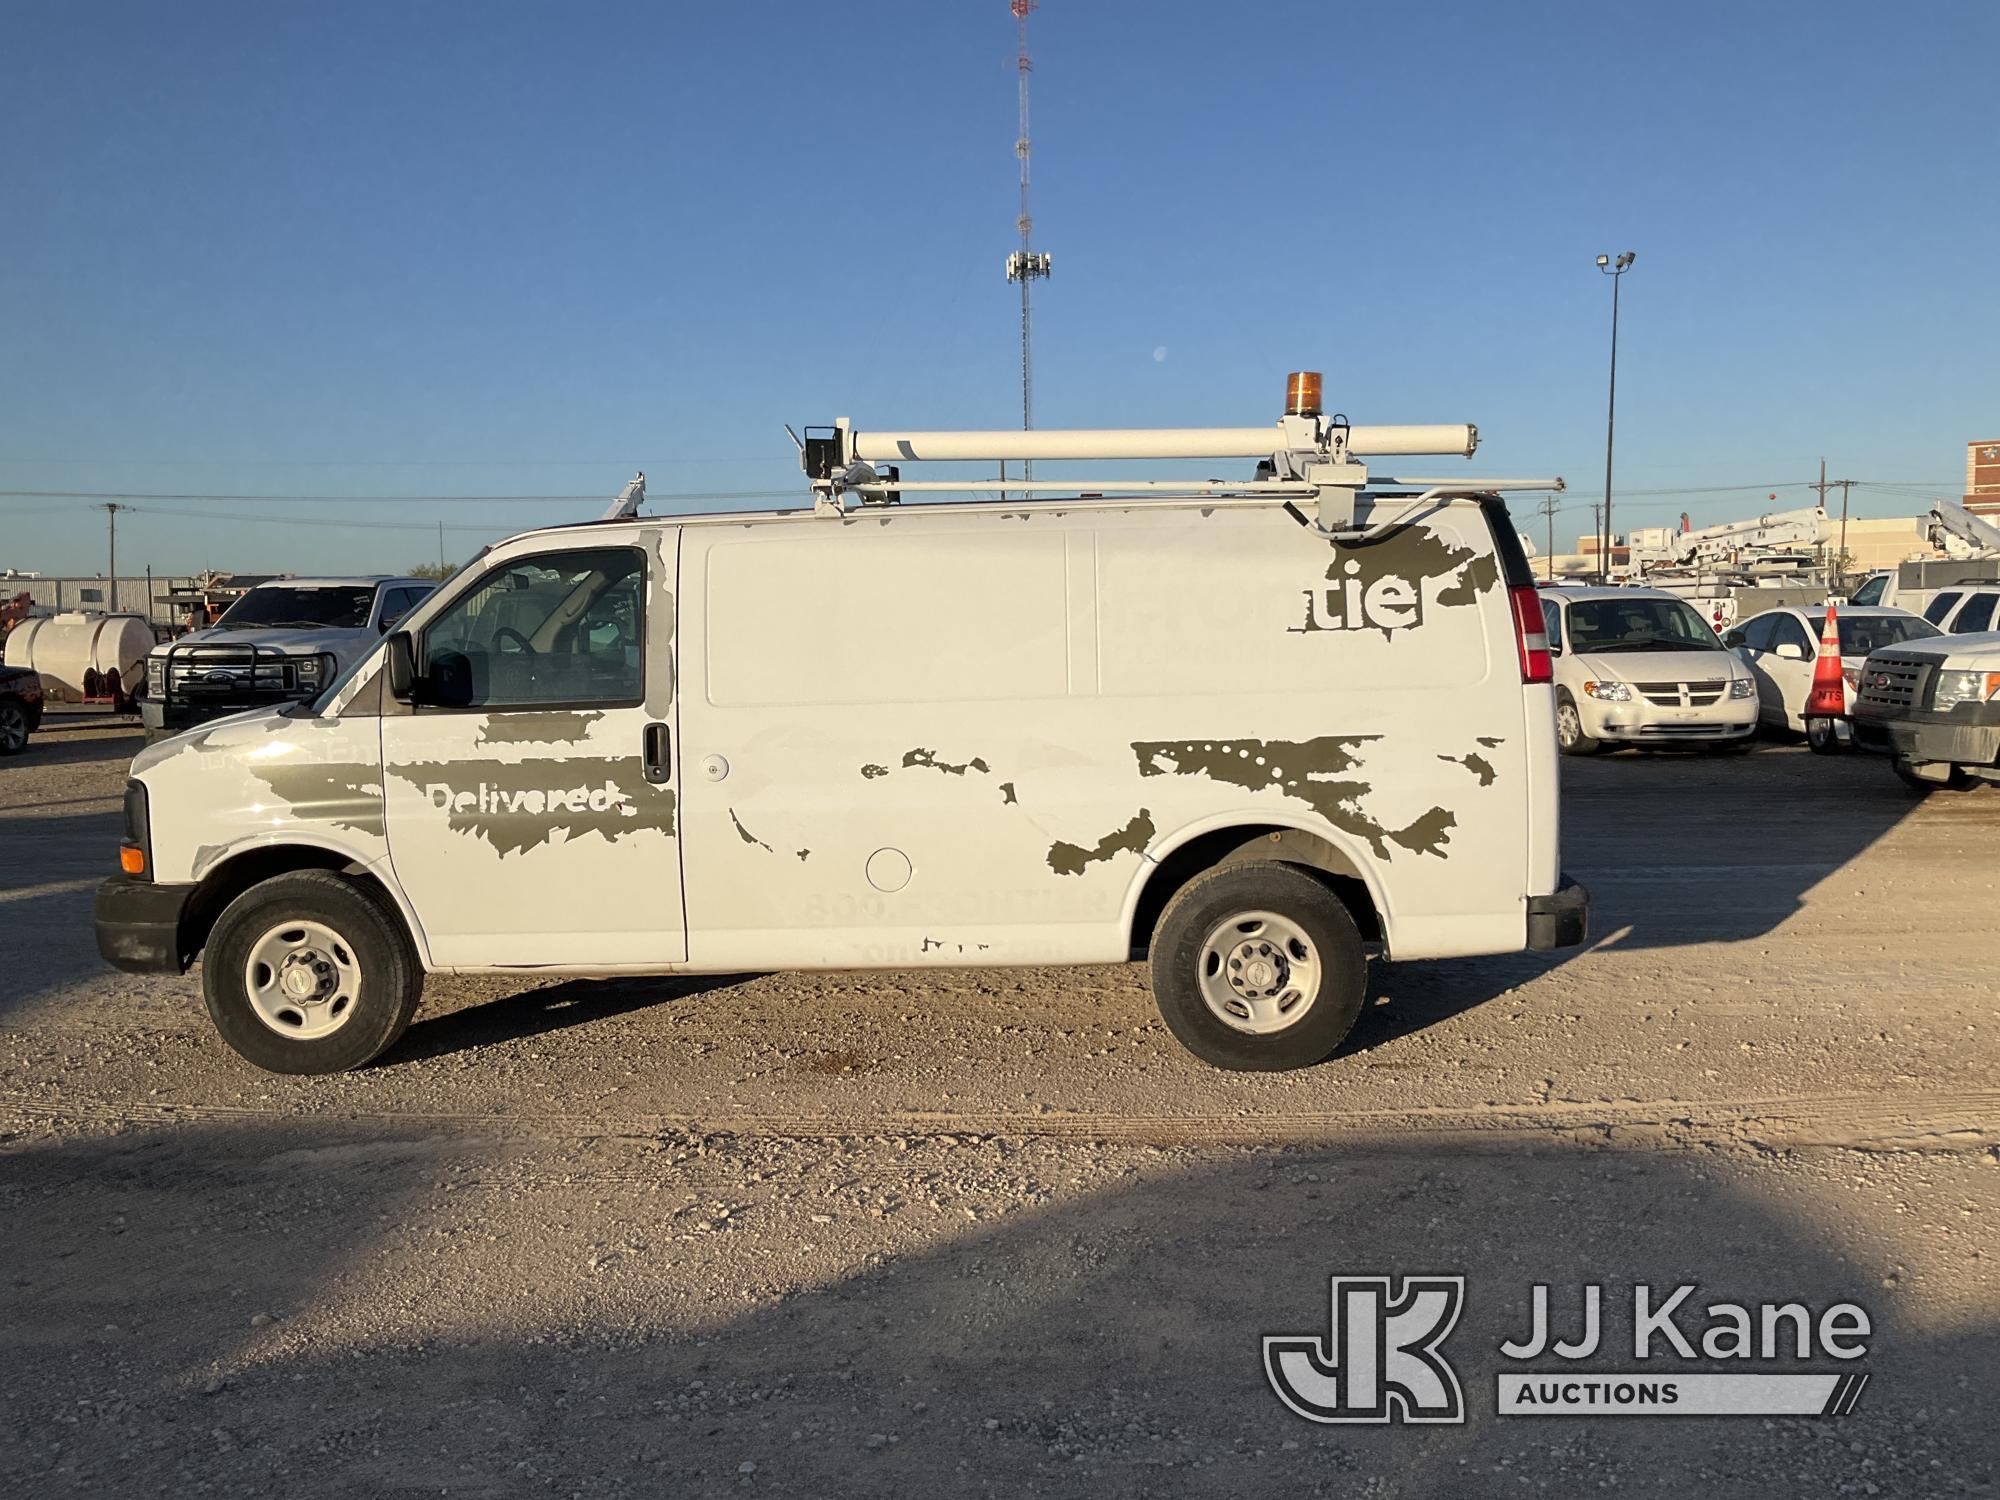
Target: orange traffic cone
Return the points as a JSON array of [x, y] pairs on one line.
[[1828, 698]]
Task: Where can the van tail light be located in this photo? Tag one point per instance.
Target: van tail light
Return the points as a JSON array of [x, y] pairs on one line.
[[1531, 635]]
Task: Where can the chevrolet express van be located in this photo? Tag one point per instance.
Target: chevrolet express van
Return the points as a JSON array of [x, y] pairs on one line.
[[1203, 730]]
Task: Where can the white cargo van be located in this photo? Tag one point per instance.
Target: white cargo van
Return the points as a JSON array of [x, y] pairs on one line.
[[1195, 722]]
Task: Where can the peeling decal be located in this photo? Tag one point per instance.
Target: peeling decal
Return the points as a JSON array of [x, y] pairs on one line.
[[344, 794], [1478, 765], [872, 771], [1380, 585], [1491, 741], [522, 806], [804, 854], [1073, 859], [928, 758], [1007, 793], [746, 835], [538, 728], [1481, 574], [1310, 770]]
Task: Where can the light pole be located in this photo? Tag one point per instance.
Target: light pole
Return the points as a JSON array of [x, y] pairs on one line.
[[1616, 270]]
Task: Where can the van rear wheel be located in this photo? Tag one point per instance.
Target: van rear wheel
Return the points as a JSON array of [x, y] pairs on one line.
[[1258, 967], [306, 973]]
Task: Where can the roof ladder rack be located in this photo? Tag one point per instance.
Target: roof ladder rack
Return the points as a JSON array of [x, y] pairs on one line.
[[1306, 455]]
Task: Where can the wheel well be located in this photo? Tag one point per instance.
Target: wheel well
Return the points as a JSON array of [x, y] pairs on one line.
[[238, 873], [1226, 846]]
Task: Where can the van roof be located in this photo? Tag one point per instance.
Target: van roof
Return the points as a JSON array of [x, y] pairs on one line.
[[1607, 591], [1057, 505]]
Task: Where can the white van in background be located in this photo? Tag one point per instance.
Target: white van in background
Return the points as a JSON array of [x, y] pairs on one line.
[[1638, 666], [1207, 728]]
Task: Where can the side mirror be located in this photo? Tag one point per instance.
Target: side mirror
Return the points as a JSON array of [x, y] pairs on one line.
[[1791, 651], [1733, 639], [402, 667]]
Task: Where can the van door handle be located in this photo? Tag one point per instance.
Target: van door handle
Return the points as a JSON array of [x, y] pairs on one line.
[[659, 758]]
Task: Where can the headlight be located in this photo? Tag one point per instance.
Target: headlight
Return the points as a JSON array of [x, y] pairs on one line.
[[1949, 689], [156, 677], [1609, 692], [1742, 687]]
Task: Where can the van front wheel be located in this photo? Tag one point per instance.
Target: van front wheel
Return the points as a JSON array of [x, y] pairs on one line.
[[306, 973], [1258, 967]]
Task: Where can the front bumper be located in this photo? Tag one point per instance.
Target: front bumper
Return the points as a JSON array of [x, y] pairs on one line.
[[139, 925], [1968, 735], [1560, 919], [1642, 723]]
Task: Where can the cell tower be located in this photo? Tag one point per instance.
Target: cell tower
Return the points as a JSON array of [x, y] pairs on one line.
[[1024, 265]]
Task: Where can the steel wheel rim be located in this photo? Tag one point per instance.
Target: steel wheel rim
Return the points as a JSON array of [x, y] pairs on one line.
[[1569, 723], [1259, 972], [13, 726], [302, 979]]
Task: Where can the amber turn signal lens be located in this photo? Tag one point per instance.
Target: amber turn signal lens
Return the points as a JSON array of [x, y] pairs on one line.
[[132, 861], [1302, 393]]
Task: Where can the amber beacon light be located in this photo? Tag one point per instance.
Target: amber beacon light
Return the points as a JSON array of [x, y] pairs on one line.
[[1302, 393]]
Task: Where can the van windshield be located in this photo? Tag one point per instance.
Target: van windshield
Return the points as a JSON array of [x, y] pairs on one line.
[[1638, 625], [330, 607]]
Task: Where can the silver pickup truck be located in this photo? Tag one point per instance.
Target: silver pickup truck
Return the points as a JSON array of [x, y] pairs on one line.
[[281, 642], [1935, 706]]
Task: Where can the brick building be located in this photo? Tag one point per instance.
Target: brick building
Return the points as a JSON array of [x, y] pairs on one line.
[[1982, 478]]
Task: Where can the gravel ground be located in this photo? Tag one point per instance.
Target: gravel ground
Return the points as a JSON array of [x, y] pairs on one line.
[[994, 1233]]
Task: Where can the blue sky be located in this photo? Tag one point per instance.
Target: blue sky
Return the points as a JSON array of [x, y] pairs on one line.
[[506, 248]]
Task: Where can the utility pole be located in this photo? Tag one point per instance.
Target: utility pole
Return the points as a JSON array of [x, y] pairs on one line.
[[440, 543], [1024, 265], [111, 596], [1548, 509], [1840, 559], [1616, 271], [1843, 528], [1597, 532]]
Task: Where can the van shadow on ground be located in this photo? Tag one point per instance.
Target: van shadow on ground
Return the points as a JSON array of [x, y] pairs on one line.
[[555, 1007], [443, 1322]]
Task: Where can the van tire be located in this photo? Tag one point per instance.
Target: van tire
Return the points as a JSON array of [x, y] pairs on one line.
[[1311, 926], [1823, 737], [379, 975], [1570, 737]]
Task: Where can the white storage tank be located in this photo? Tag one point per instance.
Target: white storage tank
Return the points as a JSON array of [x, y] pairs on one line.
[[83, 655]]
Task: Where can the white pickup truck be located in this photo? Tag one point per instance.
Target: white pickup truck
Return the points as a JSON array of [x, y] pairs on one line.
[[1935, 706], [281, 643]]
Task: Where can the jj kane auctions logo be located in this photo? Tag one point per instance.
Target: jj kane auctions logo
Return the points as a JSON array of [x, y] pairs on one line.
[[1382, 1360]]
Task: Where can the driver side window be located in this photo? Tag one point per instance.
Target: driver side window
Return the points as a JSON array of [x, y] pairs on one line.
[[559, 629]]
